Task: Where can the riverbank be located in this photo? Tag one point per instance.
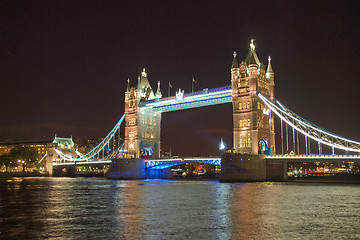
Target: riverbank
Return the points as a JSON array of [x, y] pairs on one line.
[[8, 175]]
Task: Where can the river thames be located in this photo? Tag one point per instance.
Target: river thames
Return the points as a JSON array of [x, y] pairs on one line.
[[86, 208]]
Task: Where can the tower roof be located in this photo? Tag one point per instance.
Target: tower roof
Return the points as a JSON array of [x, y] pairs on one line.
[[269, 68], [252, 57], [144, 82], [145, 87], [235, 63]]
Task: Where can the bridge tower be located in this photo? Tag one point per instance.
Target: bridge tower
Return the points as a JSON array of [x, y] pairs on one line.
[[253, 124], [142, 126]]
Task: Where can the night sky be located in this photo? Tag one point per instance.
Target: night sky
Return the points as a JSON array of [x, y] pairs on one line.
[[64, 64]]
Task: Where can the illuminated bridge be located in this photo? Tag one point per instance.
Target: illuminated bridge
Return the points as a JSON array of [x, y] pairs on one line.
[[255, 108]]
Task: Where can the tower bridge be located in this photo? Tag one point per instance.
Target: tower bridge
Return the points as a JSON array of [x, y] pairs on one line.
[[251, 92]]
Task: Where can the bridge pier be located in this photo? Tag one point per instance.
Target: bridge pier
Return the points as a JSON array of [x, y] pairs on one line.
[[276, 170], [247, 168], [242, 168], [127, 169], [135, 169]]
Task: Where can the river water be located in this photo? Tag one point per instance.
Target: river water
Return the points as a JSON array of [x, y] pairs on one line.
[[85, 208]]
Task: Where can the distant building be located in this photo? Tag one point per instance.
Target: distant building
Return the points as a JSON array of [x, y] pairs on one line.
[[40, 146]]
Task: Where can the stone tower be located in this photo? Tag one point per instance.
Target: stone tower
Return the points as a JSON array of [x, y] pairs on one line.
[[142, 126], [253, 123]]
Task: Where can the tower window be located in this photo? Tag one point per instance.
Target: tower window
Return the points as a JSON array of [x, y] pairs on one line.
[[132, 134], [132, 121], [131, 146]]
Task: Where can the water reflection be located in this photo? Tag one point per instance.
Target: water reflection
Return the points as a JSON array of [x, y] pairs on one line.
[[79, 208]]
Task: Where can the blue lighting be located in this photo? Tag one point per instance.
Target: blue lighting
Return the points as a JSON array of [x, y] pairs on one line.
[[230, 159], [127, 162], [166, 163], [241, 159]]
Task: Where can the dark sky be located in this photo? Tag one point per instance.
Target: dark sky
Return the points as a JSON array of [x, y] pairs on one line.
[[64, 64]]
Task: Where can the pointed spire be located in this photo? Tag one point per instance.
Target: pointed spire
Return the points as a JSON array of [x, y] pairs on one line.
[[139, 81], [158, 89], [252, 57], [252, 45], [158, 92], [235, 63], [128, 85], [143, 73], [269, 68]]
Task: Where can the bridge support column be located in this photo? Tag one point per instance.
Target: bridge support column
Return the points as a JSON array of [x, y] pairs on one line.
[[127, 169], [242, 167], [276, 170], [247, 168]]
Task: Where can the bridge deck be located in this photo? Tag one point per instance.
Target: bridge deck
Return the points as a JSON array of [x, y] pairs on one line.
[[315, 158], [169, 162], [182, 101]]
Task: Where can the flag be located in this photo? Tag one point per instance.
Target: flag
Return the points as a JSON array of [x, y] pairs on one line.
[[193, 80], [170, 86]]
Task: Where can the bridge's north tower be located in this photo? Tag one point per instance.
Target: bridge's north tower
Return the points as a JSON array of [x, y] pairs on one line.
[[142, 126], [253, 124]]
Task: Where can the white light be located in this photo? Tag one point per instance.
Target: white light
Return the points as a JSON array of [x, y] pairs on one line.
[[222, 145]]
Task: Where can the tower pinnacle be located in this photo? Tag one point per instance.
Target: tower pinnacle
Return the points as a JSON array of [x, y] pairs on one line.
[[143, 73], [269, 68], [235, 63], [252, 45], [252, 57], [128, 85], [158, 92]]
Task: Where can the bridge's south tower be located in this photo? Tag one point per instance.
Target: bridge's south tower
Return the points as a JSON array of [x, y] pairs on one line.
[[142, 126], [253, 124]]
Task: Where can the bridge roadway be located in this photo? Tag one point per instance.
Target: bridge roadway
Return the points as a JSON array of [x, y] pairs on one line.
[[315, 158], [169, 162], [181, 101]]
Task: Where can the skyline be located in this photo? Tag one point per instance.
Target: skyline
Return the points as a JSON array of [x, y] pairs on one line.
[[64, 65]]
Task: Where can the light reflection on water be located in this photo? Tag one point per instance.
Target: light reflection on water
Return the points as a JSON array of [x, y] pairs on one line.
[[80, 208]]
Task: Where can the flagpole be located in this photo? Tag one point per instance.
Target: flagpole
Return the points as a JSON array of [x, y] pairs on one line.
[[192, 86]]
